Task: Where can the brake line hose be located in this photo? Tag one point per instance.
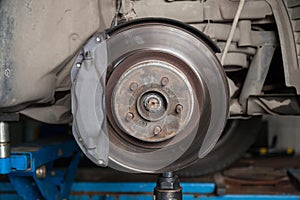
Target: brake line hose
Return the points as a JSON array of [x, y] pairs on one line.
[[232, 31]]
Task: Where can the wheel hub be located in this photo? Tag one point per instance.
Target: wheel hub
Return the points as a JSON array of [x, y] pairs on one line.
[[150, 92]]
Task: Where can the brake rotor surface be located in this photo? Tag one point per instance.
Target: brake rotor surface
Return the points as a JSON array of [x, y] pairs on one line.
[[166, 96]]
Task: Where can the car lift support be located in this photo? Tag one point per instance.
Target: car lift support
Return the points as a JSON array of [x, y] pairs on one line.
[[30, 168], [32, 175]]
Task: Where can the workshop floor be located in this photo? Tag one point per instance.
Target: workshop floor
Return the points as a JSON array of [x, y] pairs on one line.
[[246, 176]]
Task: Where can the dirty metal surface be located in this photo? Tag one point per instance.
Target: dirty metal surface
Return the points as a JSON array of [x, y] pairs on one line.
[[261, 176], [255, 176], [156, 108]]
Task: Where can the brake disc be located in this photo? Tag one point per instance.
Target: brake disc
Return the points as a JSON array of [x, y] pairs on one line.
[[148, 96]]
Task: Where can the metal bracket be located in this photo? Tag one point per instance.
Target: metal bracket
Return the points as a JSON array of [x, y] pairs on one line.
[[32, 170]]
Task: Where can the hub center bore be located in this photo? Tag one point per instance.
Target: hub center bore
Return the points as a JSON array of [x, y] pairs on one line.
[[152, 106], [152, 103]]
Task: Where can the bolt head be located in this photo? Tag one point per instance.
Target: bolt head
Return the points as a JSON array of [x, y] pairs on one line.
[[157, 130], [41, 172], [101, 162]]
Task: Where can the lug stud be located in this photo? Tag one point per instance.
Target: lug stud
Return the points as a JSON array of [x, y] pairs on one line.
[[129, 116], [157, 130], [133, 86], [164, 81], [178, 108]]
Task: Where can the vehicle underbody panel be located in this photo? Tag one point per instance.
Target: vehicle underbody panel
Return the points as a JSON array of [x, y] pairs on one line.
[[39, 40]]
